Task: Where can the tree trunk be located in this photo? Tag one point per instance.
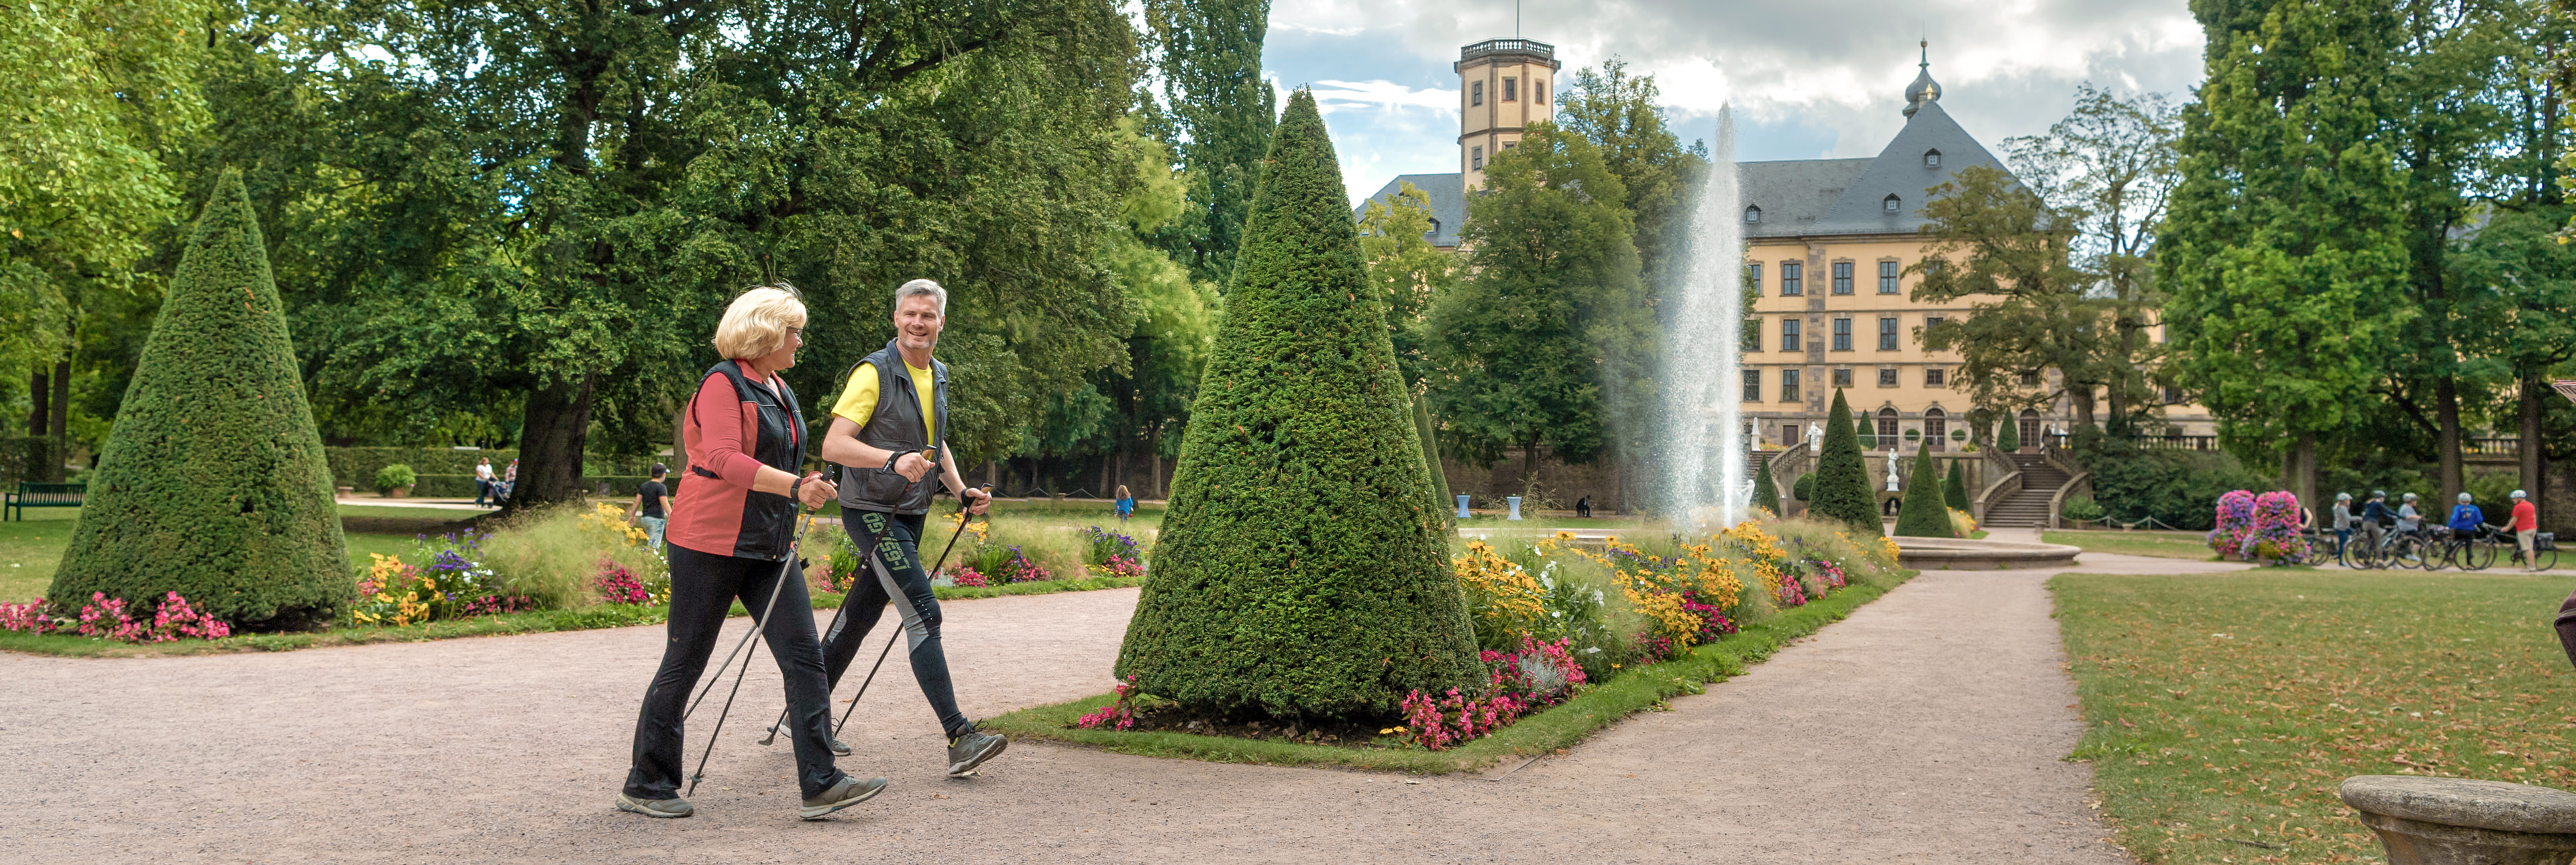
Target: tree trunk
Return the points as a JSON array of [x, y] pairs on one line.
[[1529, 466], [2301, 470], [2082, 398], [2529, 449], [59, 412], [1154, 454], [553, 433], [2446, 408], [39, 389]]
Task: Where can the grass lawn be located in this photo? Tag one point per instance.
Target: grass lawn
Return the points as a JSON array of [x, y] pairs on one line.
[[1642, 689], [2163, 545], [2222, 710], [30, 548]]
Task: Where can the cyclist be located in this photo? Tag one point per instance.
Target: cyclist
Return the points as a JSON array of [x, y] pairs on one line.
[[2375, 517], [2526, 526], [2466, 518], [2410, 521], [2343, 520]]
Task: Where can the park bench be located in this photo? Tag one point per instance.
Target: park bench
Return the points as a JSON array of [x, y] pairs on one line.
[[41, 495]]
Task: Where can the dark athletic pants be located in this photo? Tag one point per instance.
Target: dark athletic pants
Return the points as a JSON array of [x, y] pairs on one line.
[[703, 587], [891, 570]]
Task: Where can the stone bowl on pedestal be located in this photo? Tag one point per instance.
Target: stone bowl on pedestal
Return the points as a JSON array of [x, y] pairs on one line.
[[2463, 821]]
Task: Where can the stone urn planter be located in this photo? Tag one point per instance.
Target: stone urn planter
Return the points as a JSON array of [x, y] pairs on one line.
[[2462, 821], [398, 493]]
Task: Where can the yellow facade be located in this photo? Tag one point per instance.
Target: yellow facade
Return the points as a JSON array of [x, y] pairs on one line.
[[1504, 85]]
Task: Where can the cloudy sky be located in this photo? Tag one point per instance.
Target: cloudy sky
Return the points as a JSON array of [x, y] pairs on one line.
[[1809, 79]]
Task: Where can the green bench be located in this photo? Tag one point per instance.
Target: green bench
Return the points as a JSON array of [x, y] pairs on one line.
[[41, 495]]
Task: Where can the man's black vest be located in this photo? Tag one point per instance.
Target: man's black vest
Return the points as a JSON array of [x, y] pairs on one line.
[[897, 426]]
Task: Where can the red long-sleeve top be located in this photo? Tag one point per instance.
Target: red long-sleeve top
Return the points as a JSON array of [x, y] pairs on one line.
[[725, 433]]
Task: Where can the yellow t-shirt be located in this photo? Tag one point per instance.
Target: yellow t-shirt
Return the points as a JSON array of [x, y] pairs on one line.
[[859, 398]]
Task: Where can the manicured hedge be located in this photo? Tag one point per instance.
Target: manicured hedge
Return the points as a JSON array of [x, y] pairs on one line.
[[1301, 571], [356, 466], [213, 483], [1842, 477], [1925, 514]]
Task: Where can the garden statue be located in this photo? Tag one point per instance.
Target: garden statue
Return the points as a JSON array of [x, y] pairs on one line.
[[1891, 471], [1815, 438]]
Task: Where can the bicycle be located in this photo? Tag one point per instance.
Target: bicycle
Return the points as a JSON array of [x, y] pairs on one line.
[[2473, 550], [2407, 550], [2360, 553], [2544, 552]]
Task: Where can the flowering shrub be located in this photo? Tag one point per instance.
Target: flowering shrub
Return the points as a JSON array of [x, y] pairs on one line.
[[965, 575], [617, 585], [1119, 566], [2275, 535], [1003, 565], [109, 618], [608, 522], [452, 584], [2235, 522], [1790, 593], [1714, 622], [1106, 545], [1437, 723], [1120, 712], [1961, 523]]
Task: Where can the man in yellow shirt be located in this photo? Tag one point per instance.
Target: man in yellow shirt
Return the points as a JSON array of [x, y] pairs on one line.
[[889, 433]]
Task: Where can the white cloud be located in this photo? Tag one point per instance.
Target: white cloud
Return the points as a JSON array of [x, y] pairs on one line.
[[1382, 95]]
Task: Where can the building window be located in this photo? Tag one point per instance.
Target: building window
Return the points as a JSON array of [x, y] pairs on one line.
[[1887, 377], [1789, 339], [2030, 379], [1789, 385], [1842, 334], [1753, 276], [1932, 321], [1511, 89], [1892, 204], [2173, 396], [1887, 334], [1887, 426], [1753, 214], [1792, 279], [1842, 277], [1936, 429], [1476, 158], [1538, 92], [1510, 144], [1931, 159], [1932, 377], [1475, 93], [1752, 385], [1887, 277], [1842, 378], [1751, 335]]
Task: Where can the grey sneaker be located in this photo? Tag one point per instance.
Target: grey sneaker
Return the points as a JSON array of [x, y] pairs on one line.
[[671, 807], [971, 750], [838, 749], [851, 791]]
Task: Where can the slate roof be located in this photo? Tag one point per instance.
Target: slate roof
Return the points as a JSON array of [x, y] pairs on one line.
[[1798, 197], [1448, 203]]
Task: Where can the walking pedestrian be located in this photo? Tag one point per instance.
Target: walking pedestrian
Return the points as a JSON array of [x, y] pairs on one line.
[[509, 481], [1126, 504], [889, 435], [733, 538], [649, 496], [2526, 527], [482, 481]]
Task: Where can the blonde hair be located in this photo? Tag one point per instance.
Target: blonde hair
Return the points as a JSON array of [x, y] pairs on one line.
[[757, 322], [1122, 491]]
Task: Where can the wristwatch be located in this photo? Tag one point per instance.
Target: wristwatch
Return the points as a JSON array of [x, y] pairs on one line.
[[793, 486]]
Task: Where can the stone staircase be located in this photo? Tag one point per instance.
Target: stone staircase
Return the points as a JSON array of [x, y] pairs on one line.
[[2029, 507]]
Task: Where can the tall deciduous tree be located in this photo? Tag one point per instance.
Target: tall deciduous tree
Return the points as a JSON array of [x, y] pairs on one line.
[[2285, 249], [1991, 237], [1221, 113], [1529, 348], [1406, 272], [1616, 111]]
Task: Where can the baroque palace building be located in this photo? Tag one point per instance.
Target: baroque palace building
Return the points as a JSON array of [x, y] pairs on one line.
[[1827, 240]]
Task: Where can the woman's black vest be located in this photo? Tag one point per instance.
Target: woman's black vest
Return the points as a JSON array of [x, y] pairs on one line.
[[897, 426], [768, 519]]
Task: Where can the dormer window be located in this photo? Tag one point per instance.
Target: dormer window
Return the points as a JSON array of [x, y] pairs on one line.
[[1752, 214], [1893, 204], [1931, 159], [1434, 232]]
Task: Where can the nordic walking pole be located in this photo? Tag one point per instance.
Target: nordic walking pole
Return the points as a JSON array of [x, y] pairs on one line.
[[805, 521], [962, 519]]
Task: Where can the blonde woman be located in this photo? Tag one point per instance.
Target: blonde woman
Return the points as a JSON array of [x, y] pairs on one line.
[[729, 539]]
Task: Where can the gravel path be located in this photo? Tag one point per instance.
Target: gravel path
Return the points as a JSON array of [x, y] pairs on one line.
[[1926, 728]]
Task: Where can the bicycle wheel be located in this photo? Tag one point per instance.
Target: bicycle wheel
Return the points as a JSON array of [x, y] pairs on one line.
[[2408, 552], [2475, 555], [2349, 555], [2542, 560], [2436, 555]]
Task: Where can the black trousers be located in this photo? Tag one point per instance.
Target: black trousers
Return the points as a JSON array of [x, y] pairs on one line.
[[703, 587], [891, 570]]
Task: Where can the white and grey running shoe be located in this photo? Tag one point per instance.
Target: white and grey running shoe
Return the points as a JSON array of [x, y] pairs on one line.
[[971, 750], [671, 807], [851, 791]]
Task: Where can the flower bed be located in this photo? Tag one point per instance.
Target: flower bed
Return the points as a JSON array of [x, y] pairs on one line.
[[1555, 620]]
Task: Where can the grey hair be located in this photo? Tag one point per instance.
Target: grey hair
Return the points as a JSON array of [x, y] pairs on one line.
[[922, 288]]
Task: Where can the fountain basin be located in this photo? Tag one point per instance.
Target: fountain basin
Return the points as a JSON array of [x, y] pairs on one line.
[[1961, 554]]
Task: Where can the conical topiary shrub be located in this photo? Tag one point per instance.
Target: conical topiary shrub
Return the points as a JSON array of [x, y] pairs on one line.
[[212, 483], [1924, 515], [1299, 573], [1954, 489], [1842, 477], [1766, 493], [2008, 439]]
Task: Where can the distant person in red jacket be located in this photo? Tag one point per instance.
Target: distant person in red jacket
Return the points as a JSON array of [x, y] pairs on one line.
[[2526, 526]]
